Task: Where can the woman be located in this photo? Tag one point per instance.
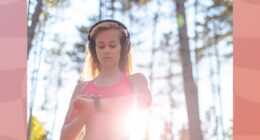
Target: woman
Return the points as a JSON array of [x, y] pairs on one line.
[[98, 107]]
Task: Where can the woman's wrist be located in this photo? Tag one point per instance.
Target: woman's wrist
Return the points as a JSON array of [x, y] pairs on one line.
[[97, 102]]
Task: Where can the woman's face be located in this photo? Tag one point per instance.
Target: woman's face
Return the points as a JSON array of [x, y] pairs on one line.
[[108, 48]]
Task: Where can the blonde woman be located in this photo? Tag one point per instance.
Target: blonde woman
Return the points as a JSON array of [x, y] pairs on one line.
[[98, 106]]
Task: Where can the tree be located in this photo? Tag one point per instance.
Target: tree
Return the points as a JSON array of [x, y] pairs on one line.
[[190, 88], [34, 20], [215, 35]]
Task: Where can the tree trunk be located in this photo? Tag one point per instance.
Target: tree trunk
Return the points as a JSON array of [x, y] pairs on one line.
[[34, 21], [190, 89], [112, 9], [100, 9]]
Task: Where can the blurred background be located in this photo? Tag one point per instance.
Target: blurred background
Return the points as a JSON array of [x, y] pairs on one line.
[[183, 47]]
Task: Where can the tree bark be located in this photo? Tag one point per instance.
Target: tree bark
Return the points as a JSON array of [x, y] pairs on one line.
[[190, 88], [34, 21]]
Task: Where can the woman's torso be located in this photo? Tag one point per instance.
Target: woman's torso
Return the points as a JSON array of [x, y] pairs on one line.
[[107, 125]]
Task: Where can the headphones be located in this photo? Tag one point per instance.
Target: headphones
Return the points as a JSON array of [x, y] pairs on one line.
[[126, 38]]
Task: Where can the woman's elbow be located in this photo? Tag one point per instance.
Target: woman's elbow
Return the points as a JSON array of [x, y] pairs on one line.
[[146, 102], [62, 137]]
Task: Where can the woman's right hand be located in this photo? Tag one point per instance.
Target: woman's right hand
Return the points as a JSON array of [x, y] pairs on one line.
[[84, 107]]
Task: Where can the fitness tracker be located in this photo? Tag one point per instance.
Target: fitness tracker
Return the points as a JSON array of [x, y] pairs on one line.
[[96, 101]]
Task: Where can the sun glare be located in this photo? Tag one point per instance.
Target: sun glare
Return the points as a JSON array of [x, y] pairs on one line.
[[136, 124]]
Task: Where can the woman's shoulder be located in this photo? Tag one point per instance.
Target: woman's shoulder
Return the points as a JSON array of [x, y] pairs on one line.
[[81, 83], [138, 78], [79, 86]]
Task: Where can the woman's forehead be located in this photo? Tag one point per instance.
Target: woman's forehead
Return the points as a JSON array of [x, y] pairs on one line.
[[108, 35]]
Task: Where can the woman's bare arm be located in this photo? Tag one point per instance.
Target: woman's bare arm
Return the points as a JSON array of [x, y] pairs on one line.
[[75, 119], [142, 93]]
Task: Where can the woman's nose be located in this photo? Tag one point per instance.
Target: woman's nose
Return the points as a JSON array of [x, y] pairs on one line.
[[107, 49]]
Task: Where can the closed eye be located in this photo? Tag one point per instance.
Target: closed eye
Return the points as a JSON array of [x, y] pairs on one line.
[[112, 46], [101, 47]]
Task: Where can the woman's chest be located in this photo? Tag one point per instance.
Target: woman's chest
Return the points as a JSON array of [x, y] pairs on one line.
[[109, 92]]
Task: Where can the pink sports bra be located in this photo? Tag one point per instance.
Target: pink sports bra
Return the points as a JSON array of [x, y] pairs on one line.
[[122, 87], [109, 125]]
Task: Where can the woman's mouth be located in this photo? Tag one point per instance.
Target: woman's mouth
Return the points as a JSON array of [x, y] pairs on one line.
[[107, 58]]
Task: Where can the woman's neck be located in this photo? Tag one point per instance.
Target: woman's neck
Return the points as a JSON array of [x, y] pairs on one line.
[[108, 76], [110, 72]]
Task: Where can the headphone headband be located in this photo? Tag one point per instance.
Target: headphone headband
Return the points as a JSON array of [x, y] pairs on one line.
[[108, 20]]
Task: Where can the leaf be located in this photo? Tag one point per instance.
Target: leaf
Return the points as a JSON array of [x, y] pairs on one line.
[[180, 21], [37, 130]]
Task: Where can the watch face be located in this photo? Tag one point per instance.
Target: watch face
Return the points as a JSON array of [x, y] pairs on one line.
[[97, 103]]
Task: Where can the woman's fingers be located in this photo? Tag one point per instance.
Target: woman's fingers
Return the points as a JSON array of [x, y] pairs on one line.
[[84, 105], [80, 103]]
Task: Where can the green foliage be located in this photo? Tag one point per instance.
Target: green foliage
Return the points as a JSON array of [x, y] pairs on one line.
[[127, 5], [180, 21], [216, 26], [55, 3], [37, 130]]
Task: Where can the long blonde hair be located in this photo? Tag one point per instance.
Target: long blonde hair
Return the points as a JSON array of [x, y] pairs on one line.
[[91, 68]]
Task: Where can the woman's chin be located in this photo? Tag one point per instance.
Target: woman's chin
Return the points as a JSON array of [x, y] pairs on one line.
[[108, 64]]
